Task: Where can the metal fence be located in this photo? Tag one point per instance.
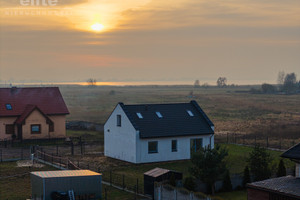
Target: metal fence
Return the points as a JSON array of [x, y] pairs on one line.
[[277, 143], [13, 154], [111, 178]]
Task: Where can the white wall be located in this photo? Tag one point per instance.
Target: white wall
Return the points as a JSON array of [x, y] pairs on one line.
[[120, 142], [165, 148]]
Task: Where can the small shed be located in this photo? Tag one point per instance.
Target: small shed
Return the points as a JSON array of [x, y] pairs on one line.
[[158, 175], [81, 184]]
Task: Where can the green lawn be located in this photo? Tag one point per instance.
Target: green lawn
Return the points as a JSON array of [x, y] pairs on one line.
[[87, 135], [235, 195], [18, 187], [237, 158], [236, 162]]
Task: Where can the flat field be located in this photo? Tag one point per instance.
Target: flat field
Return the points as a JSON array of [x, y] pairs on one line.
[[231, 109]]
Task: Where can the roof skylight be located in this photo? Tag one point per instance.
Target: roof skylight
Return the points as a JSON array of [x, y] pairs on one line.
[[190, 113], [139, 115], [159, 115], [8, 106]]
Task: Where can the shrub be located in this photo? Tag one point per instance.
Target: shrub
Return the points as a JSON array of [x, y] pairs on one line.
[[189, 183], [227, 186], [281, 169], [246, 177]]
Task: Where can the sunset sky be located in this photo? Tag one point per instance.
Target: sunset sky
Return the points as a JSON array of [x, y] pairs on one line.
[[247, 41]]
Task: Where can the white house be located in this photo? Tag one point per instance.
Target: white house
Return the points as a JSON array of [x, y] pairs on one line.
[[156, 132]]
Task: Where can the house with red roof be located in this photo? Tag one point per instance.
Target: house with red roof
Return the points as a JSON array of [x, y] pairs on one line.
[[32, 113]]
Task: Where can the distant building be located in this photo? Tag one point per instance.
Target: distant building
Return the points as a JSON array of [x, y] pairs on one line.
[[156, 132], [32, 113], [281, 188], [66, 184]]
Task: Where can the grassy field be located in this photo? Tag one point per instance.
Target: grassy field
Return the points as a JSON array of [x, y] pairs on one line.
[[16, 188], [235, 195], [19, 187], [230, 109]]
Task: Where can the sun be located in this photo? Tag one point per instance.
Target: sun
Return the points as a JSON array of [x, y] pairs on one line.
[[97, 27]]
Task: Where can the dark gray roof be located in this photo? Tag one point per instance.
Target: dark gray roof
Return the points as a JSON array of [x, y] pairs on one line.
[[292, 153], [287, 185], [175, 121]]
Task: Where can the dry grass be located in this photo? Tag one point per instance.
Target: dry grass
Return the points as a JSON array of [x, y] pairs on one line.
[[230, 111]]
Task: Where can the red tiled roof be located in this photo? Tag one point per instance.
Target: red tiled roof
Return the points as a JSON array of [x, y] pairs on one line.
[[48, 100], [28, 110]]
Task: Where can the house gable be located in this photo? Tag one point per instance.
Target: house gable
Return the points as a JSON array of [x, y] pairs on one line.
[[120, 141], [27, 112]]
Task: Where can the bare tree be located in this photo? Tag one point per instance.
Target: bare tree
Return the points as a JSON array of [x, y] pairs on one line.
[[197, 84], [91, 82], [222, 81], [280, 78]]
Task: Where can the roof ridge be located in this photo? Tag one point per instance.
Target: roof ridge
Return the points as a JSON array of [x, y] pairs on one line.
[[153, 104]]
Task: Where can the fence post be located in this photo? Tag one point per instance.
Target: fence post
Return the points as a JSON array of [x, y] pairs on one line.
[[137, 185], [110, 178], [280, 144], [81, 150], [227, 138], [123, 176], [72, 148], [21, 153], [60, 161], [78, 163], [52, 158], [234, 138], [57, 150]]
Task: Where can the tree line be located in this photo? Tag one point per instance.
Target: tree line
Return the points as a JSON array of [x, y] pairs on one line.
[[286, 83]]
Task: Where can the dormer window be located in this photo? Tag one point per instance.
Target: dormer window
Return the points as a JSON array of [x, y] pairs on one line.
[[140, 116], [8, 106], [159, 115], [190, 113]]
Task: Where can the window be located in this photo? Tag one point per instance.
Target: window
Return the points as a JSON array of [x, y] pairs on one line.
[[35, 129], [152, 147], [118, 120], [139, 115], [190, 113], [196, 144], [159, 115], [174, 145], [10, 129], [8, 106]]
